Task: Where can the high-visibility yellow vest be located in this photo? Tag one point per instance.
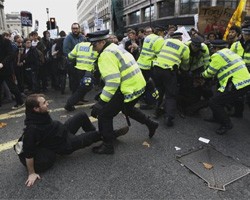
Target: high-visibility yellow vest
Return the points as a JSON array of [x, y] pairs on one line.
[[200, 60], [150, 49], [84, 55], [226, 64], [119, 69], [238, 48], [173, 52]]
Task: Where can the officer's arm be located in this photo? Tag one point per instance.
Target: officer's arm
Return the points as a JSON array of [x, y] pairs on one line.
[[73, 54], [158, 45], [206, 56], [213, 67], [185, 58], [109, 69], [233, 47]]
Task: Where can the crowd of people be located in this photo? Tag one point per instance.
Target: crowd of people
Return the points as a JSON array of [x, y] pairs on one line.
[[152, 66]]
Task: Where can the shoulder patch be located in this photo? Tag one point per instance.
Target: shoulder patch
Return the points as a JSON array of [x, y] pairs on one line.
[[172, 45], [86, 49]]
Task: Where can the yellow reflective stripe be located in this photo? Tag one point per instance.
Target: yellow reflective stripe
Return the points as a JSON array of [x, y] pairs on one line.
[[112, 84], [131, 74], [147, 54], [85, 62], [170, 52], [144, 66], [107, 94], [128, 65], [87, 57], [231, 72], [212, 69], [168, 58], [112, 76]]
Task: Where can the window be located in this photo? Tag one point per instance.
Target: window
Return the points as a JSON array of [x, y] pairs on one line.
[[166, 8], [134, 17], [124, 21], [147, 16], [228, 3], [189, 6], [205, 3]]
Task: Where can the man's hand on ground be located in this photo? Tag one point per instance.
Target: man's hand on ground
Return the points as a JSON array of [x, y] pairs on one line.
[[31, 179]]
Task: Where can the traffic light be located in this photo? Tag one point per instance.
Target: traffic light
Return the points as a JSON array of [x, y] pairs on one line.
[[52, 23], [48, 25]]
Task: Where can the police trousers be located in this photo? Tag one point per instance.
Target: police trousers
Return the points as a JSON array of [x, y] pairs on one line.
[[218, 102], [78, 91], [111, 109], [166, 83]]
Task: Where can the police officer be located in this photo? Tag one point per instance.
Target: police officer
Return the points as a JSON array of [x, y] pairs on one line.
[[123, 86], [85, 57], [242, 48], [233, 78], [173, 53], [151, 48], [192, 87]]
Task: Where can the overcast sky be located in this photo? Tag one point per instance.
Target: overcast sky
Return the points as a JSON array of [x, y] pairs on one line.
[[63, 10]]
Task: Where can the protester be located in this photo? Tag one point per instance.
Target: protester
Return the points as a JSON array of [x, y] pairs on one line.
[[69, 43], [6, 71], [44, 137]]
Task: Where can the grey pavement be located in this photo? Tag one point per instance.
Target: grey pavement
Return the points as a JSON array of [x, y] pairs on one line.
[[135, 171]]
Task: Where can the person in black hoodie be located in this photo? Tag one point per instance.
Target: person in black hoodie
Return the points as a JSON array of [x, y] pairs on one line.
[[6, 70], [43, 137]]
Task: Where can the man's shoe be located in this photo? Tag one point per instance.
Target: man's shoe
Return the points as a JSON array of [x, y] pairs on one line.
[[17, 106], [158, 113], [69, 108], [152, 126], [169, 122], [103, 149], [223, 129], [121, 131]]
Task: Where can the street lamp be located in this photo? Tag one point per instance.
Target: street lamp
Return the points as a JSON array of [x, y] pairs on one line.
[[150, 1], [47, 10]]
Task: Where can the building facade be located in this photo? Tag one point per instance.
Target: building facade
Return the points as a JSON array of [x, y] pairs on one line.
[[2, 17], [122, 14], [164, 12], [94, 15]]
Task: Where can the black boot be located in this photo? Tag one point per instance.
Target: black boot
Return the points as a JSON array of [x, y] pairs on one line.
[[104, 148], [158, 113], [169, 121], [224, 129], [69, 108], [152, 126], [121, 131]]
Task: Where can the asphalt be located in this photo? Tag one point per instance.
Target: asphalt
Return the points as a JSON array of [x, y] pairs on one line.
[[141, 168]]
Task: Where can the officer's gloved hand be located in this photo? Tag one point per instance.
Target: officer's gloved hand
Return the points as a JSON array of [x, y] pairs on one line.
[[97, 108]]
